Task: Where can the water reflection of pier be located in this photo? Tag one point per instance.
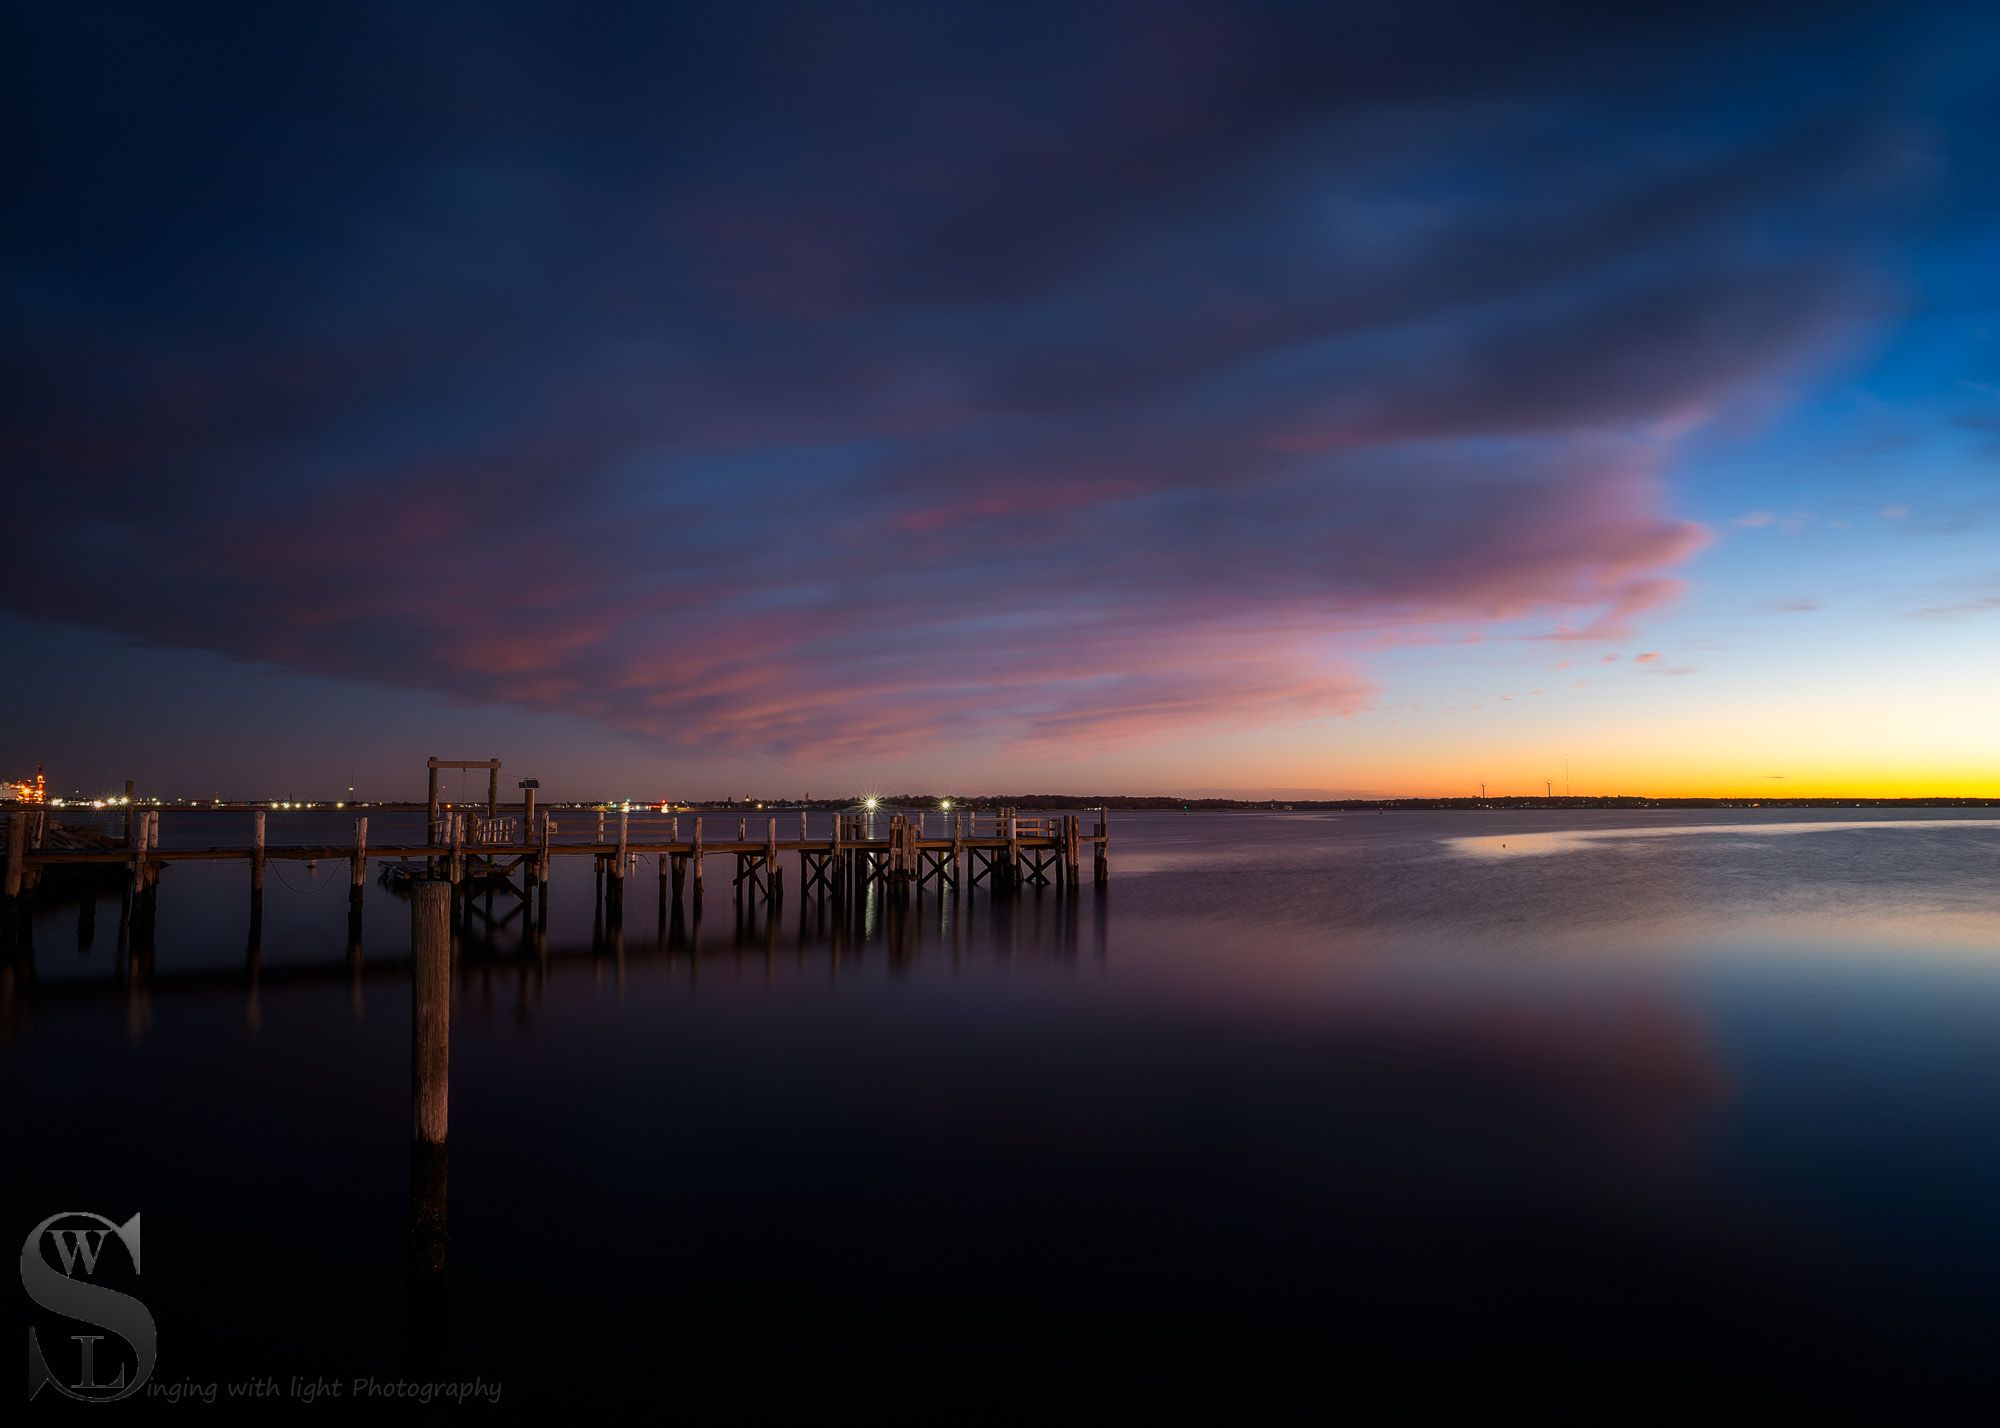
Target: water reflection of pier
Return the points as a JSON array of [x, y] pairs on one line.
[[873, 934]]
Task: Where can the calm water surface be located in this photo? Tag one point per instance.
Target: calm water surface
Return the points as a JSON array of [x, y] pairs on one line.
[[1492, 1108]]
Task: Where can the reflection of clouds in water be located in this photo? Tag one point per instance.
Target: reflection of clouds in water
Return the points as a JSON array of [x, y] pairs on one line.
[[1512, 844]]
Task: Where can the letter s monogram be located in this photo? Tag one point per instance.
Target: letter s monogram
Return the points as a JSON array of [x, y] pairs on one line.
[[88, 1303]]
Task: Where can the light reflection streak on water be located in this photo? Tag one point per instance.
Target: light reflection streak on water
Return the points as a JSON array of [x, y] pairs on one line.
[[1571, 839]]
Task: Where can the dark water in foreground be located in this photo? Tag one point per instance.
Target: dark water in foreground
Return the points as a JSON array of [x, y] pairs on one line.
[[1597, 1110]]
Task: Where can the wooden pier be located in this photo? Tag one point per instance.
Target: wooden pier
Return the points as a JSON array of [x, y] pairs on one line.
[[513, 849]]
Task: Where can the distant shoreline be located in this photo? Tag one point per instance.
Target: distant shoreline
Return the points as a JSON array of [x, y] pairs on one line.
[[1126, 802]]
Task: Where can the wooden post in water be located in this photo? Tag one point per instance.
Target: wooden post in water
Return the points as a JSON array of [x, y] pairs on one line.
[[457, 870], [145, 889], [358, 874], [694, 860], [430, 1085], [527, 815], [772, 872], [17, 852], [1101, 866], [614, 901], [542, 874], [430, 1022], [138, 857], [38, 829], [357, 885], [257, 856], [128, 812], [1013, 848]]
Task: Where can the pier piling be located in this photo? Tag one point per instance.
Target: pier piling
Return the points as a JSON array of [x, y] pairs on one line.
[[358, 866], [430, 1102], [430, 1023], [17, 852]]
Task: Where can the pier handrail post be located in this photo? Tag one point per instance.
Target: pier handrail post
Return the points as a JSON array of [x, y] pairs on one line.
[[431, 807], [694, 859], [457, 849], [493, 790]]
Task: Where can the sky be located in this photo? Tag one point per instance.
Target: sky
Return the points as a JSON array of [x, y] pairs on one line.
[[1095, 397]]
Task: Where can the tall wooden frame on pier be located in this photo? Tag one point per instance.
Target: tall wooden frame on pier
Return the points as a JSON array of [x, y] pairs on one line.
[[492, 766]]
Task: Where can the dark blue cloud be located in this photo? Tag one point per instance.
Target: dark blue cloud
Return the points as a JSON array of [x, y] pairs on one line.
[[1088, 370]]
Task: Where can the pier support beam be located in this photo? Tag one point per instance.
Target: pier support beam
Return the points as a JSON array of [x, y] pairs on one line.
[[527, 817], [695, 858], [616, 890]]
